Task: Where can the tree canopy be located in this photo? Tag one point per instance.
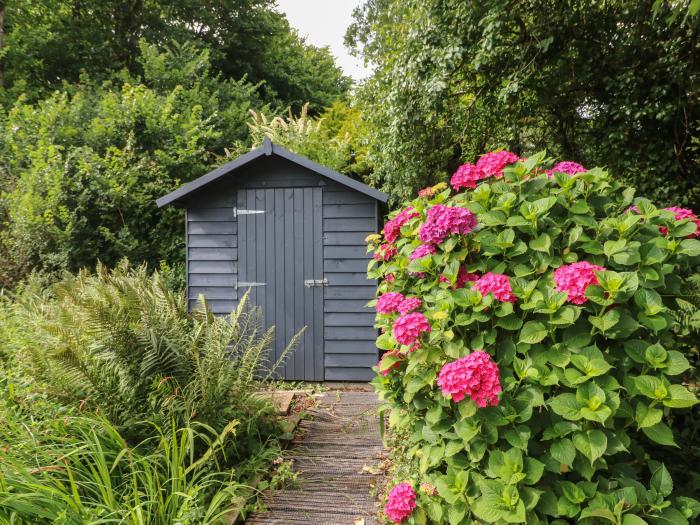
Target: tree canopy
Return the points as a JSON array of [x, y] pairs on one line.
[[48, 42], [602, 83]]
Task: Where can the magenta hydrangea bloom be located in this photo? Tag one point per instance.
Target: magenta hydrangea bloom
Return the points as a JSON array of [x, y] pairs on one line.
[[385, 252], [474, 376], [392, 228], [680, 214], [409, 304], [492, 164], [408, 327], [497, 284], [388, 302], [422, 251], [400, 503], [575, 278], [442, 221], [568, 167], [463, 277], [466, 176]]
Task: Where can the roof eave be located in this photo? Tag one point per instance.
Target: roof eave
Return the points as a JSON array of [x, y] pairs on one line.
[[268, 148]]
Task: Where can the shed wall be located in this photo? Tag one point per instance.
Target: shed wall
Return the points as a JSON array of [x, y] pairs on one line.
[[348, 217]]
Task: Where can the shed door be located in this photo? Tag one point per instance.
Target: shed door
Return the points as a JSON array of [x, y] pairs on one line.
[[279, 250]]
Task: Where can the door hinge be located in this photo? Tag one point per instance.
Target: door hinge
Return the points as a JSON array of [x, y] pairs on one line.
[[309, 283], [237, 212], [245, 284]]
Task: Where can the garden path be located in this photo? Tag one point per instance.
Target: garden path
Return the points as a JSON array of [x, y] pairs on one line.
[[337, 456]]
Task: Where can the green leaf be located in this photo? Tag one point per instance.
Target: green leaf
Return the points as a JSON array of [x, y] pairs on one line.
[[680, 397], [647, 416], [591, 443], [606, 321], [610, 248], [661, 434], [652, 387], [541, 243], [566, 406], [488, 508], [386, 342], [453, 447], [690, 247], [563, 451], [676, 363], [533, 332], [661, 481]]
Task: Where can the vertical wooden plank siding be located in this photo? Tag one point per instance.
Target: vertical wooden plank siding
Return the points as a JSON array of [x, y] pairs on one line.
[[318, 292]]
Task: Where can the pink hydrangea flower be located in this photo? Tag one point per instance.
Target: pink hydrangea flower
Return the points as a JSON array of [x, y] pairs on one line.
[[409, 304], [575, 278], [463, 277], [442, 221], [680, 214], [392, 228], [497, 284], [390, 277], [568, 167], [422, 251], [475, 376], [466, 176], [492, 164], [400, 503], [388, 302], [444, 279], [385, 252], [427, 192], [408, 327]]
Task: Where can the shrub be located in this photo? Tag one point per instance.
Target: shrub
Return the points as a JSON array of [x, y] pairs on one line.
[[536, 370], [121, 343]]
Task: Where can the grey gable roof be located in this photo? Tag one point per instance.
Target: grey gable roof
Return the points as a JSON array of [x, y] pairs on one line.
[[267, 149]]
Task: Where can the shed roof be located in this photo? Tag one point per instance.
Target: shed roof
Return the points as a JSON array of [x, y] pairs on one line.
[[267, 149]]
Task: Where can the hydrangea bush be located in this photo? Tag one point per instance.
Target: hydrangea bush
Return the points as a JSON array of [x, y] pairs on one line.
[[525, 319]]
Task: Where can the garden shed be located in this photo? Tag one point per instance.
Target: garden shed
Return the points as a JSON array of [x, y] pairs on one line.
[[291, 231]]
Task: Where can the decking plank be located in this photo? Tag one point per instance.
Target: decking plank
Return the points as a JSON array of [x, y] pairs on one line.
[[336, 458]]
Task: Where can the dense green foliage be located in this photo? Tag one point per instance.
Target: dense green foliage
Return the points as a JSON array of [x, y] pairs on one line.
[[48, 42], [83, 471], [121, 343], [337, 138], [583, 429], [83, 167], [116, 404], [604, 83]]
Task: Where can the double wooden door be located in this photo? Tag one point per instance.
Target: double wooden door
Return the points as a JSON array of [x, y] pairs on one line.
[[280, 259]]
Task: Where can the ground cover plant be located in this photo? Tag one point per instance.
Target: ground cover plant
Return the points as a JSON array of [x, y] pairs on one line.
[[531, 348], [119, 406]]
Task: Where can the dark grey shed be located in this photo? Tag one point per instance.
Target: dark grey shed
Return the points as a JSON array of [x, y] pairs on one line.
[[293, 232]]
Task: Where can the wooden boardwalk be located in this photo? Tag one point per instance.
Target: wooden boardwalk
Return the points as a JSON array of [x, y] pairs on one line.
[[336, 456]]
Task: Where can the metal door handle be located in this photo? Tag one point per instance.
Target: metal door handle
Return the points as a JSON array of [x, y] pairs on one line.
[[309, 283]]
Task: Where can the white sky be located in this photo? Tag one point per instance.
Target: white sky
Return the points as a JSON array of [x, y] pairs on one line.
[[323, 23]]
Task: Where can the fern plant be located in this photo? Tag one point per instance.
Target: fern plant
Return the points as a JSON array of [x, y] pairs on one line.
[[122, 344]]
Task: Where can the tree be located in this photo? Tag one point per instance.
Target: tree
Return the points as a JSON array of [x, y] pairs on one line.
[[82, 168], [49, 42], [607, 83]]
